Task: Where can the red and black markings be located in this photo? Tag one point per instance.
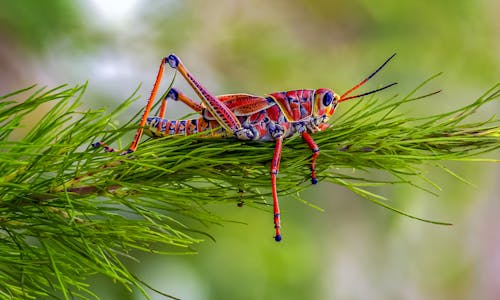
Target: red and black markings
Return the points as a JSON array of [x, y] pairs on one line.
[[271, 118], [296, 104]]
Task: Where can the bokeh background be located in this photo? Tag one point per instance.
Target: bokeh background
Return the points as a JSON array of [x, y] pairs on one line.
[[352, 250]]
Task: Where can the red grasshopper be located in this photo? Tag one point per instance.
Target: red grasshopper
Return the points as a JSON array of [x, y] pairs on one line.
[[247, 117]]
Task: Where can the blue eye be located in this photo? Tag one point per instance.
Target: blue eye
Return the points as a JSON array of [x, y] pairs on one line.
[[327, 98]]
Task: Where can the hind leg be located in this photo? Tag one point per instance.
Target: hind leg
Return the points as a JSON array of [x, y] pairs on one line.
[[145, 115], [173, 94], [217, 108]]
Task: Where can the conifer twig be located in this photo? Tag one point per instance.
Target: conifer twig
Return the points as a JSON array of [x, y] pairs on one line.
[[68, 211]]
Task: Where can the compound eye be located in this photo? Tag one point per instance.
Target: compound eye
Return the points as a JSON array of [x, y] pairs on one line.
[[327, 98]]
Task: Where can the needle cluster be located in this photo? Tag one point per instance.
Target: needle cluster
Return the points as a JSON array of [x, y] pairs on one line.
[[68, 211]]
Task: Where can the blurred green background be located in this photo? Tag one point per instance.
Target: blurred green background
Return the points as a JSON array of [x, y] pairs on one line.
[[352, 250]]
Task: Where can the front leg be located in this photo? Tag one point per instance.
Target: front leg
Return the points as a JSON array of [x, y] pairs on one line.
[[315, 152], [224, 116]]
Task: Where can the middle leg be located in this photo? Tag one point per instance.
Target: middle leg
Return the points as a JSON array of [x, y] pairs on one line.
[[275, 166]]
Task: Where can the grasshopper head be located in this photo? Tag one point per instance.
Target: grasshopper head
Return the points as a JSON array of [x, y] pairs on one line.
[[325, 100]]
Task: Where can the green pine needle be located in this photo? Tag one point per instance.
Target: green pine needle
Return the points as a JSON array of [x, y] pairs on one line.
[[68, 211]]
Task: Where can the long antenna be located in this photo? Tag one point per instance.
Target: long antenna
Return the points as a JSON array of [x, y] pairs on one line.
[[344, 96], [367, 93]]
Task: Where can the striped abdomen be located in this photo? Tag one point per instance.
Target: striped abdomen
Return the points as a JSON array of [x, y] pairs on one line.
[[158, 127]]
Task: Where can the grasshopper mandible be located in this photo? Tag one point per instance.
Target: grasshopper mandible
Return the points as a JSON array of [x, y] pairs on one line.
[[269, 118]]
